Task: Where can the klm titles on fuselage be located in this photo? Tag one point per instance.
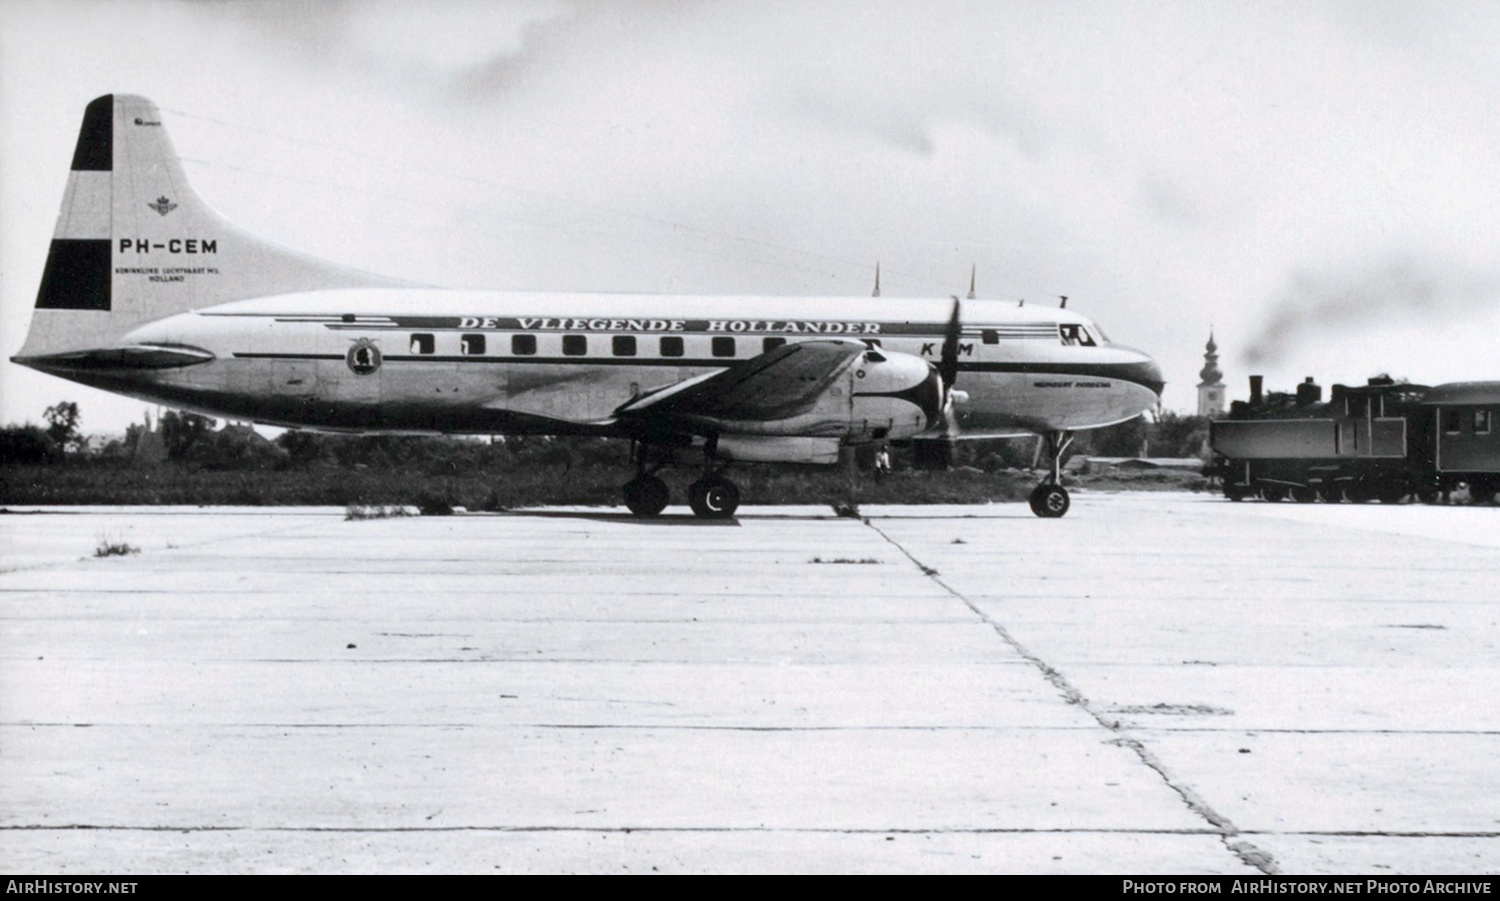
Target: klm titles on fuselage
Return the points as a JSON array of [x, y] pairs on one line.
[[597, 324], [170, 245]]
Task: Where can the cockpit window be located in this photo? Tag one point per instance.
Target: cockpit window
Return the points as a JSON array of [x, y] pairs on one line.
[[1075, 335]]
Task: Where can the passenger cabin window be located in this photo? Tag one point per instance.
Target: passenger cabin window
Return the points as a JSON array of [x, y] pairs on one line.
[[771, 344], [671, 346], [1482, 422], [471, 344], [1453, 421], [723, 346], [423, 344], [523, 345], [575, 345], [624, 345], [1074, 335], [991, 336]]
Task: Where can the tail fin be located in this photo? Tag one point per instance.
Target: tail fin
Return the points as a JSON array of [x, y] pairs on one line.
[[133, 243]]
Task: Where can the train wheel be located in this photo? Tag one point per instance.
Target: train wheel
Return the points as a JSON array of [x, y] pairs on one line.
[[1330, 494], [1304, 495], [1482, 494], [1236, 492], [1391, 494], [1429, 495], [1273, 493]]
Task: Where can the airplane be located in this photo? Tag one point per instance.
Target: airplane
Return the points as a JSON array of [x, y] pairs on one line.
[[149, 293]]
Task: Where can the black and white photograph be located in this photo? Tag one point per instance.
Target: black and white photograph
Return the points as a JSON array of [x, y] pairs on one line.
[[631, 436]]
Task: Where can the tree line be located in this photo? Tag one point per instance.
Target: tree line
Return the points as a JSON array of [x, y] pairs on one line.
[[189, 440]]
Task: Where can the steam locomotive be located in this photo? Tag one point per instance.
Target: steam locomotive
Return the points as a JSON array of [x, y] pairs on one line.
[[1383, 441]]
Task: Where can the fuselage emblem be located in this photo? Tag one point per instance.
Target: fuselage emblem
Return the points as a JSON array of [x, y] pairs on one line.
[[162, 205], [364, 357]]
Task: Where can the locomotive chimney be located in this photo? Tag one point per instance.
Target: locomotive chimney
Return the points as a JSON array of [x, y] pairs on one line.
[[1255, 382], [1309, 392]]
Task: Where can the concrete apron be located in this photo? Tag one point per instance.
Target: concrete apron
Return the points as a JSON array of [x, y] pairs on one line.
[[1156, 683]]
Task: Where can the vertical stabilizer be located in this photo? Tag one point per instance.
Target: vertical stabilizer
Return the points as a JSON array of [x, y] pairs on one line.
[[133, 243]]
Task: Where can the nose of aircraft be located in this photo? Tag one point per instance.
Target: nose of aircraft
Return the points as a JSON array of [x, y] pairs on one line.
[[1138, 367]]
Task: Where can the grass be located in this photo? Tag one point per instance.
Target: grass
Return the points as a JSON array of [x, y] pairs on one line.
[[433, 493], [360, 511], [108, 548]]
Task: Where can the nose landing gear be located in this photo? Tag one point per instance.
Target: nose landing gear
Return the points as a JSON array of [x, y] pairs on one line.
[[1050, 499]]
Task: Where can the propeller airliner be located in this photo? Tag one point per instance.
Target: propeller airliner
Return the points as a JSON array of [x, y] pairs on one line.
[[149, 293]]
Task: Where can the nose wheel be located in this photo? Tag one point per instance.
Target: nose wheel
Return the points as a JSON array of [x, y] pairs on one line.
[[1050, 499]]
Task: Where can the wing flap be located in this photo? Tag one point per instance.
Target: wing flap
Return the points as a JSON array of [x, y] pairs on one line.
[[777, 384]]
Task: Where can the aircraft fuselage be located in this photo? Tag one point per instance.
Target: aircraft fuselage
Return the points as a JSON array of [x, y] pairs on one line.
[[420, 360]]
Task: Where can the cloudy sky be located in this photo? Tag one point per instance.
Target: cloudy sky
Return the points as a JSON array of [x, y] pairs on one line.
[[1317, 182]]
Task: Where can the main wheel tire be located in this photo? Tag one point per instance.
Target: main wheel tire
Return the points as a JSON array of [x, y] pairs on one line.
[[1050, 501], [714, 498], [646, 496]]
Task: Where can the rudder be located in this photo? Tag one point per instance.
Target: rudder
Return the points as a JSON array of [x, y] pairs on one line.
[[134, 243]]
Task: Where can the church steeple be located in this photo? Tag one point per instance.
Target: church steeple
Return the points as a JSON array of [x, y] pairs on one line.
[[1210, 374], [1211, 389]]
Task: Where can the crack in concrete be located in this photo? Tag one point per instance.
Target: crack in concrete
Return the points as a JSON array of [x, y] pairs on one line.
[[1231, 834]]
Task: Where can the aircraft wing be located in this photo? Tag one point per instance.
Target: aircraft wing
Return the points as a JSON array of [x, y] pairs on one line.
[[777, 384]]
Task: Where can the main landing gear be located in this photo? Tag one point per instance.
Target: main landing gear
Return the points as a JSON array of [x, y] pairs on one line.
[[711, 497], [1050, 499], [646, 495]]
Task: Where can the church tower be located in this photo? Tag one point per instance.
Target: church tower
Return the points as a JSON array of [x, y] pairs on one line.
[[1211, 389]]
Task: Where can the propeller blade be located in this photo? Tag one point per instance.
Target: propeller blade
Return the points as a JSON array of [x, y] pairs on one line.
[[948, 362], [950, 418]]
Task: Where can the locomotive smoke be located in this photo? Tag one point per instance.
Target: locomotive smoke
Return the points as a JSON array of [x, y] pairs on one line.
[[1316, 303]]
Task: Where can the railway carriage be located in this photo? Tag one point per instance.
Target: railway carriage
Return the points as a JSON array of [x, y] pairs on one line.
[[1384, 441]]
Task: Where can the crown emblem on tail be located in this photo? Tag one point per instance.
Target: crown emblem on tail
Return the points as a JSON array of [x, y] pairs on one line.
[[162, 205]]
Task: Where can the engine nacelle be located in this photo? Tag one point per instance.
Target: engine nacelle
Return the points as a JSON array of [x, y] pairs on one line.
[[879, 396]]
